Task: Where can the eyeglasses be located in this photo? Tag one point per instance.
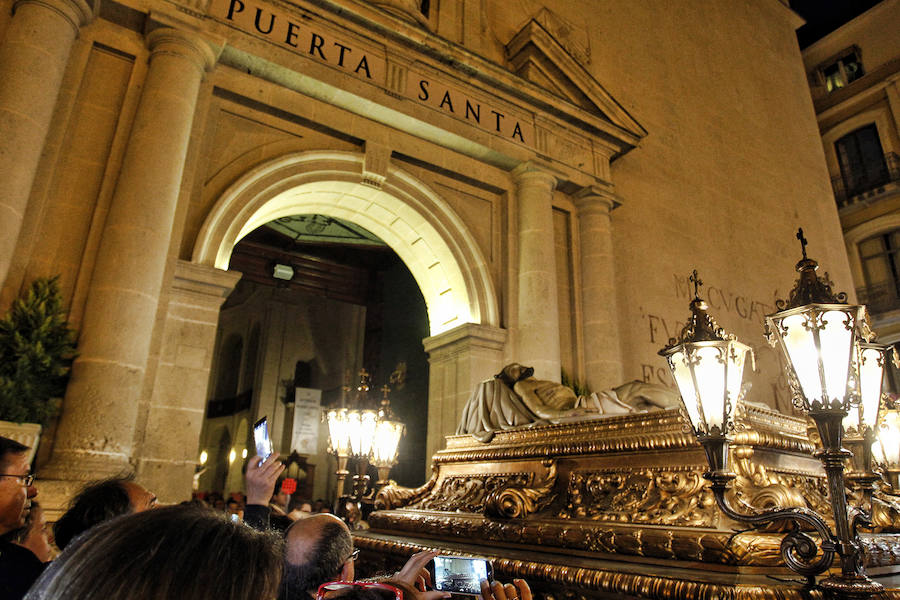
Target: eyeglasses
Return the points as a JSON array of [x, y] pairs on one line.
[[353, 555], [26, 480], [336, 589]]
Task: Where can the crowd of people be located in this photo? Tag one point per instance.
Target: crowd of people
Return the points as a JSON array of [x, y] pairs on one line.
[[112, 546]]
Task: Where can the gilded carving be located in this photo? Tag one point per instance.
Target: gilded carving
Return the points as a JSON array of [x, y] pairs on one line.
[[558, 581], [886, 512], [393, 495], [757, 488], [467, 493], [517, 502], [629, 486], [670, 496]]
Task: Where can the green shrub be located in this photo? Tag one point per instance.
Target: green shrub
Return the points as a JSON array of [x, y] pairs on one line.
[[580, 388], [36, 352]]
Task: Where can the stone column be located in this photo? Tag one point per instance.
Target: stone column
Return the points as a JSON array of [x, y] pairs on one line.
[[33, 59], [537, 342], [458, 361], [602, 354], [168, 451], [97, 426]]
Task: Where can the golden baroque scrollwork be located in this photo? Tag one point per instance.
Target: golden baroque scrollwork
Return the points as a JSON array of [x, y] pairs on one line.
[[757, 488], [885, 512], [467, 493], [667, 496], [517, 502], [395, 496]]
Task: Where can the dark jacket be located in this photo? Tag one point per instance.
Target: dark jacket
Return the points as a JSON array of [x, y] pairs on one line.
[[19, 569]]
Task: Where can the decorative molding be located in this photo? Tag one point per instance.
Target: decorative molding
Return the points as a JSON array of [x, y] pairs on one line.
[[376, 165], [535, 54]]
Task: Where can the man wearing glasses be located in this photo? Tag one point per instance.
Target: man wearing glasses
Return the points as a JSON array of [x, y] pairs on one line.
[[19, 567]]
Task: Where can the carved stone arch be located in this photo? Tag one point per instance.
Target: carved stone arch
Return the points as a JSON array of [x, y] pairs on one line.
[[406, 214]]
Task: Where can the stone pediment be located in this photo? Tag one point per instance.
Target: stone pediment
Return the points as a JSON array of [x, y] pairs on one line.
[[536, 55]]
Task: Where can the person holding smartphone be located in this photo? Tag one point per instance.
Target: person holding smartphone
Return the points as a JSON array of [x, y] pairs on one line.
[[261, 476], [414, 580]]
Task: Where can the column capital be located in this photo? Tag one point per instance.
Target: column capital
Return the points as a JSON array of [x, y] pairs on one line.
[[469, 334], [593, 197], [76, 12], [167, 40], [536, 173], [204, 282]]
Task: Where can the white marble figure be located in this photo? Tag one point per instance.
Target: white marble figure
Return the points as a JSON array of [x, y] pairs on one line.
[[514, 398]]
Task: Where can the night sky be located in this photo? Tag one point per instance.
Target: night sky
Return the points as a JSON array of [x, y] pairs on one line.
[[824, 16]]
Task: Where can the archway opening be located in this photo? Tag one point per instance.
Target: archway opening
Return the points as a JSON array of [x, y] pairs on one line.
[[319, 299]]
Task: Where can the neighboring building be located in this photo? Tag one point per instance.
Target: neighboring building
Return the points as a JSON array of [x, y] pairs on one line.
[[854, 75], [549, 172]]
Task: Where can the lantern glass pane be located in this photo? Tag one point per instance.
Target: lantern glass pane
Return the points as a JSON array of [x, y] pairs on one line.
[[362, 430], [837, 347], [682, 374], [709, 374], [871, 370], [338, 431], [889, 436], [384, 447], [737, 356], [851, 419], [877, 454], [800, 346]]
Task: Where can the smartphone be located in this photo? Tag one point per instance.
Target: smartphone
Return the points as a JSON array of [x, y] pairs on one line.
[[261, 438], [460, 574]]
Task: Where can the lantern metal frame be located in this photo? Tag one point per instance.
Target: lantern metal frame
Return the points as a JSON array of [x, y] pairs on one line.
[[800, 551]]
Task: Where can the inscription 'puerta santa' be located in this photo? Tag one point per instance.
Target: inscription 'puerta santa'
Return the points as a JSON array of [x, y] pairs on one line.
[[313, 40]]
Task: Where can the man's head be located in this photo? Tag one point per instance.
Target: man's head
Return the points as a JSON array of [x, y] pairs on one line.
[[281, 498], [317, 550], [513, 373], [98, 502], [14, 494]]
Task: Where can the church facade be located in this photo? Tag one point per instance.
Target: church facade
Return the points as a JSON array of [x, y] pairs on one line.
[[549, 172]]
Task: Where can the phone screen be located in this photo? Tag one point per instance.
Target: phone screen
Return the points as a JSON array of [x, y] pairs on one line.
[[460, 574], [261, 438]]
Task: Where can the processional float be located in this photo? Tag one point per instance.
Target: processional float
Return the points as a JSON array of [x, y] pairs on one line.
[[737, 501]]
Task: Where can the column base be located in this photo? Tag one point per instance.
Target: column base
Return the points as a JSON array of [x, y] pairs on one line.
[[62, 478]]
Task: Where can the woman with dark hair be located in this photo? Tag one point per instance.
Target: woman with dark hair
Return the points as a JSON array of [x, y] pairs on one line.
[[174, 552]]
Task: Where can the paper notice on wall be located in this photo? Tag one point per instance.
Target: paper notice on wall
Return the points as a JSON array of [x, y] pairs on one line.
[[307, 414]]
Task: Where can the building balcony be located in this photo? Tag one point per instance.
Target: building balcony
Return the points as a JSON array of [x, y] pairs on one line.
[[875, 183]]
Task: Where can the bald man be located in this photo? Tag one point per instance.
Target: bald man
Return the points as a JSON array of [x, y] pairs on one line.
[[318, 549]]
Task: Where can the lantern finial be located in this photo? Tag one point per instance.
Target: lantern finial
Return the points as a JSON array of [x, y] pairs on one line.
[[701, 327], [810, 288]]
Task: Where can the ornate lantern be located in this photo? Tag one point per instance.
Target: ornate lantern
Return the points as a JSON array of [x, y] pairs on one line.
[[708, 366], [385, 445]]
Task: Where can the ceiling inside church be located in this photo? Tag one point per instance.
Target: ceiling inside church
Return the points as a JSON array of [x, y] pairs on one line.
[[322, 229], [326, 257]]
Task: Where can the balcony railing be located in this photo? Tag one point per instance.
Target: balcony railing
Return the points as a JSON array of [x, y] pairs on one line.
[[880, 298], [847, 190]]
